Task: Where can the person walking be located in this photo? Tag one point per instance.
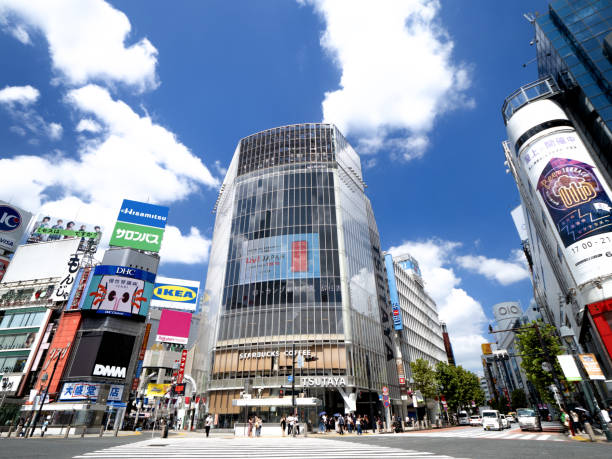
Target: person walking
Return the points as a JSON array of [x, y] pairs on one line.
[[250, 428], [207, 424], [358, 423], [283, 424], [341, 425], [258, 426]]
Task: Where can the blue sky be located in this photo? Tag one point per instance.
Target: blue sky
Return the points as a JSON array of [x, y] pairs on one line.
[[101, 101]]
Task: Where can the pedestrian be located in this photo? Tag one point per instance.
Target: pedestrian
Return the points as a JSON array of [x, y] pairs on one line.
[[576, 421], [258, 426], [350, 423], [20, 425], [322, 420], [250, 428], [43, 429], [291, 422], [207, 424], [283, 424], [341, 425]]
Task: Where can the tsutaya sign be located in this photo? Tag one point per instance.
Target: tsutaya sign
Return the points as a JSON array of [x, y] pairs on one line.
[[267, 354], [324, 381]]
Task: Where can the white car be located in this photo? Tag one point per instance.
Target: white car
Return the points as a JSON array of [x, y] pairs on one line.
[[475, 420], [491, 420], [504, 421], [528, 419], [463, 418]]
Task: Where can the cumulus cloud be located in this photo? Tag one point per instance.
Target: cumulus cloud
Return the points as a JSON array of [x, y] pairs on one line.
[[131, 157], [464, 316], [87, 40], [505, 272], [190, 248], [397, 72], [23, 95], [88, 125]]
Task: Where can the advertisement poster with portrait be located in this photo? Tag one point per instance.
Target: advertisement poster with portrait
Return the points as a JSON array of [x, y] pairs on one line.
[[49, 228], [119, 290], [576, 199], [292, 256]]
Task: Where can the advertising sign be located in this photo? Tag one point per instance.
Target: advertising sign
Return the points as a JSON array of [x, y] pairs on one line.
[[81, 282], [173, 326], [49, 228], [119, 290], [568, 365], [292, 256], [393, 295], [591, 366], [13, 224], [576, 198], [175, 293], [158, 390], [486, 348], [140, 226], [4, 262], [103, 354], [10, 384], [75, 391], [64, 286]]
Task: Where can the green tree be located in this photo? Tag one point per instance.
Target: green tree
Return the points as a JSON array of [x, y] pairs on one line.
[[519, 399], [424, 378], [459, 386], [536, 350]]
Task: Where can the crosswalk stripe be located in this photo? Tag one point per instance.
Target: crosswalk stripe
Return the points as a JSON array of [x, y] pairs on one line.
[[543, 437], [260, 448]]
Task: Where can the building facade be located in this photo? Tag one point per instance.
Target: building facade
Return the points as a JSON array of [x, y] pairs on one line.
[[296, 281], [559, 131]]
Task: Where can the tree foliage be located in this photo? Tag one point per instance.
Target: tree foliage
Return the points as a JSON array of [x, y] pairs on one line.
[[519, 399], [424, 378], [535, 351], [459, 386]]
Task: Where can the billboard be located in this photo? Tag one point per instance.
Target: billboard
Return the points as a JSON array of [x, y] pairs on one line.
[[158, 390], [50, 228], [393, 295], [140, 226], [75, 391], [575, 199], [103, 354], [119, 290], [173, 326], [175, 293], [292, 256], [590, 364], [13, 224]]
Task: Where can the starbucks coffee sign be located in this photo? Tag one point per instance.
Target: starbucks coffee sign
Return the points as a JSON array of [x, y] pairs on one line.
[[268, 354], [323, 381]]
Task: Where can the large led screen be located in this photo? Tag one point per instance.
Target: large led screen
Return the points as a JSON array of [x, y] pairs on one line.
[[119, 290], [292, 256]]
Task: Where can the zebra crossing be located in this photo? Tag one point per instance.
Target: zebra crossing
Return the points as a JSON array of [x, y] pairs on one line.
[[254, 448], [480, 433]]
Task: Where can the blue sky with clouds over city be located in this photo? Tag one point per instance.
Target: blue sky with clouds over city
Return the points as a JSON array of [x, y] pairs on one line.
[[146, 100]]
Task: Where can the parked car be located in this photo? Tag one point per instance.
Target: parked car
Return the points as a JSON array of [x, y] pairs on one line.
[[504, 421], [463, 418], [528, 419], [491, 420], [475, 420]]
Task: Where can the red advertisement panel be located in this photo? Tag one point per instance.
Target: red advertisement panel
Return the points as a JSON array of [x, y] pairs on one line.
[[299, 256], [59, 351], [181, 371]]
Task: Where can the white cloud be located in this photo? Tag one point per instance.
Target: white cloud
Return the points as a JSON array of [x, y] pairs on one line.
[[55, 131], [398, 75], [24, 95], [190, 248], [87, 40], [503, 271], [88, 125], [131, 157], [17, 31], [220, 169], [463, 315]]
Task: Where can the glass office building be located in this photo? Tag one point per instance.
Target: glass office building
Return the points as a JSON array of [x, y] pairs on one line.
[[295, 281]]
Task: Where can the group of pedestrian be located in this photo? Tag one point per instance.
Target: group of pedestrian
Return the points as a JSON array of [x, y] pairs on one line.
[[255, 424], [340, 424], [290, 425]]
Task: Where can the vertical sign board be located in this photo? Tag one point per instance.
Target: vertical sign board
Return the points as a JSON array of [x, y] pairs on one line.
[[394, 297], [13, 224], [181, 371], [141, 356], [140, 226], [590, 364], [568, 365], [64, 286]]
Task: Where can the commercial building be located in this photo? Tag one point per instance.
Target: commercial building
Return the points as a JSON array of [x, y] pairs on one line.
[[558, 151], [296, 282]]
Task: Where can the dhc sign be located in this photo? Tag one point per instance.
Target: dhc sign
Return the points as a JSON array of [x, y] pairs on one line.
[[171, 293]]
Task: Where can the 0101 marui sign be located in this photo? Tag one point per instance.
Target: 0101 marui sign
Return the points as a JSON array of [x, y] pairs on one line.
[[140, 226], [120, 290]]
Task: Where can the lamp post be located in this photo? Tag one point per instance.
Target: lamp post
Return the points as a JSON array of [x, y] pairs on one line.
[[568, 335]]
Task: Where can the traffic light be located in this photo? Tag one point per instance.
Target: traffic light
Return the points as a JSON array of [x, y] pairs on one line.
[[281, 393]]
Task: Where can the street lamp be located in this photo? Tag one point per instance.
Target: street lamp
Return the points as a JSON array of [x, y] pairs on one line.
[[570, 338]]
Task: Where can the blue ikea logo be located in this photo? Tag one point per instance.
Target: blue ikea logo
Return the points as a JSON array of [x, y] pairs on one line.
[[175, 293]]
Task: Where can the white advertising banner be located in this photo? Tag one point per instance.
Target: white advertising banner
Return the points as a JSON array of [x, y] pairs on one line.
[[568, 365], [13, 223], [86, 390], [576, 198]]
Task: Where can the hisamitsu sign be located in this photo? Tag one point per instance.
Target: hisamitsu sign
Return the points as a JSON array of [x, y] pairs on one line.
[[140, 226]]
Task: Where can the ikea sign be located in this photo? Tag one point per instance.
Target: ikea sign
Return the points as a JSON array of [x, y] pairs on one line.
[[171, 293]]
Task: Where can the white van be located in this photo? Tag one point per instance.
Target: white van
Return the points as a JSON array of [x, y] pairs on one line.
[[491, 420], [463, 418]]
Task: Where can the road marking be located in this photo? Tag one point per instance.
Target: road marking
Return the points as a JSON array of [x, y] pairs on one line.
[[543, 437]]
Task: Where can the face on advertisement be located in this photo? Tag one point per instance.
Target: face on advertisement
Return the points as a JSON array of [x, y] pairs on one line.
[[116, 293]]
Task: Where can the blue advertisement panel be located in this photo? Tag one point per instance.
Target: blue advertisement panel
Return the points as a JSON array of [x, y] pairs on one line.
[[142, 213], [395, 306], [291, 256], [119, 290], [175, 293]]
